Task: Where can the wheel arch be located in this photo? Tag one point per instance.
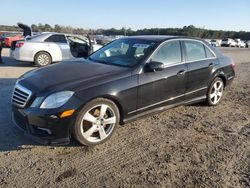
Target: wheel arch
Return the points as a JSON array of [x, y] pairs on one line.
[[118, 104], [111, 98], [43, 52], [219, 74]]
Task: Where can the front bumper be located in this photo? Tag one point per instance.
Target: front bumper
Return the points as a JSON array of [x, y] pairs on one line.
[[41, 127]]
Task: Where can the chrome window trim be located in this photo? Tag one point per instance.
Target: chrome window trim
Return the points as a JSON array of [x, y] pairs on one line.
[[172, 98], [183, 61]]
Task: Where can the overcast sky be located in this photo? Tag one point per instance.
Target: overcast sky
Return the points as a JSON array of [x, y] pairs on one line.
[[135, 14]]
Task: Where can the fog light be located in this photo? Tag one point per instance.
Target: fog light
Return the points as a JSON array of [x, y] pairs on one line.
[[67, 113]]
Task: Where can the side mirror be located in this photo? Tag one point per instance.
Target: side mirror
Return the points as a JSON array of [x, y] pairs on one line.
[[154, 66]]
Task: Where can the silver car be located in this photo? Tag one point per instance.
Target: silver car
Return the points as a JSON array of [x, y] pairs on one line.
[[46, 48]]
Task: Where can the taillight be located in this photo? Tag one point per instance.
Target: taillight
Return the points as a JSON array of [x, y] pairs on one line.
[[233, 65], [19, 44]]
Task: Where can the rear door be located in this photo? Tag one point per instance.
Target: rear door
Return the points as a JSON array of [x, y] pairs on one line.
[[62, 43], [167, 86], [200, 62]]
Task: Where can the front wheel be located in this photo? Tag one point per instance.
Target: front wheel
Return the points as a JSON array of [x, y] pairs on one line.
[[96, 122], [215, 92]]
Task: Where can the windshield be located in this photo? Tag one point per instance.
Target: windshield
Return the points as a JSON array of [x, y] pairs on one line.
[[124, 52]]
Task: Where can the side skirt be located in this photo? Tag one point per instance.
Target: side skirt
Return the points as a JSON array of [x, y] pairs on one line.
[[162, 108]]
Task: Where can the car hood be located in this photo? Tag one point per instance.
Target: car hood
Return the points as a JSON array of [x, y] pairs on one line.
[[73, 75]]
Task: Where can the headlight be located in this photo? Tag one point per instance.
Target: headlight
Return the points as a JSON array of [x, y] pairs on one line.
[[56, 100]]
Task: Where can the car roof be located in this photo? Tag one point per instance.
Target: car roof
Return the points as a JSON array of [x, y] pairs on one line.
[[160, 38]]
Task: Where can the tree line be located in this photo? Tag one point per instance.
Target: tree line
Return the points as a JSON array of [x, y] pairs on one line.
[[190, 30]]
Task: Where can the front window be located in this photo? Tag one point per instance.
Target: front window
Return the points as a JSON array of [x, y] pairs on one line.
[[124, 52], [169, 53]]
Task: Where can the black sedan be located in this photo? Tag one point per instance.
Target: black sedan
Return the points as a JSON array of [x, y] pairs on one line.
[[122, 81]]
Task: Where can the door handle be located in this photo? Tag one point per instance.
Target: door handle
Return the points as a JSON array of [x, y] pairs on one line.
[[181, 72], [211, 64]]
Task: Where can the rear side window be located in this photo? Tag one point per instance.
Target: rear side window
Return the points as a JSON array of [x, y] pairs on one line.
[[195, 50], [209, 53], [56, 38], [169, 53]]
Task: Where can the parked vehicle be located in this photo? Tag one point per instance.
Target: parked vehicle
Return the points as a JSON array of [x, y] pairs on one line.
[[248, 43], [46, 48], [216, 42], [103, 40], [228, 42], [8, 40], [10, 37], [124, 80], [240, 43]]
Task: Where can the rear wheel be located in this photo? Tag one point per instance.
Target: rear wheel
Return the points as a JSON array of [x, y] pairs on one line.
[[42, 59], [215, 92], [96, 122]]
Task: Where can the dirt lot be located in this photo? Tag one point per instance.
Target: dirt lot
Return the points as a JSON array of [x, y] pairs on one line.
[[189, 146]]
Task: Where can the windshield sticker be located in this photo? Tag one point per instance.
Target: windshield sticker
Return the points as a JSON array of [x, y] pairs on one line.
[[141, 46]]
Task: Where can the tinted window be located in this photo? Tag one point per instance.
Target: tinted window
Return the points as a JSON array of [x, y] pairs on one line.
[[209, 53], [169, 53], [195, 50], [56, 38]]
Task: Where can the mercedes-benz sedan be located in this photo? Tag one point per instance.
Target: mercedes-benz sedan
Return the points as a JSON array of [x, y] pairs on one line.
[[122, 81]]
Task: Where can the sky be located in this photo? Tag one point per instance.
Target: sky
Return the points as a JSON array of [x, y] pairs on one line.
[[135, 14]]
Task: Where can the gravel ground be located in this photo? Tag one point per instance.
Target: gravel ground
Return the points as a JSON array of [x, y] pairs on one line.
[[189, 146]]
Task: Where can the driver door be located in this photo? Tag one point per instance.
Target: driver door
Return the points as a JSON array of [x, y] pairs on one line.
[[165, 87]]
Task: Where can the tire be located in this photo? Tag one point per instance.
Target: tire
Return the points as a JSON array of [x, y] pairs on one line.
[[90, 128], [215, 92], [42, 59]]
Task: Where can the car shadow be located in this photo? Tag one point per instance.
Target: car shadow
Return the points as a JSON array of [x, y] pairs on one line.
[[9, 62], [200, 104], [12, 139]]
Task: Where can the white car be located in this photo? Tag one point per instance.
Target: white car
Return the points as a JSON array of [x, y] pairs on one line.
[[248, 44], [216, 42], [228, 42], [240, 43], [46, 48]]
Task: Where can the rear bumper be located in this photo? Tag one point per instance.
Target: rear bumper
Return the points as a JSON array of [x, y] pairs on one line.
[[18, 55], [42, 128]]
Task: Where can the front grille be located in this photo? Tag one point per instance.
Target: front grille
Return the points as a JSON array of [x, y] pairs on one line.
[[20, 96]]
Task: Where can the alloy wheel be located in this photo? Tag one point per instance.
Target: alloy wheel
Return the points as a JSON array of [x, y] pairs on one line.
[[43, 59], [216, 92], [98, 123]]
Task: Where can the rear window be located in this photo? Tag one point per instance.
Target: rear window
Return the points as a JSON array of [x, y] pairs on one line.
[[195, 50], [56, 38]]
